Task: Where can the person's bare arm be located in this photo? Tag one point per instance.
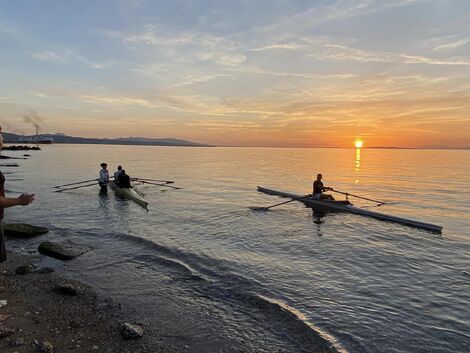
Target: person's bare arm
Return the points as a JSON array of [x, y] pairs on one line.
[[23, 200]]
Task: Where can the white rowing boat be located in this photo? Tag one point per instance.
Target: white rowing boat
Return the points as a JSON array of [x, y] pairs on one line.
[[342, 207], [129, 193]]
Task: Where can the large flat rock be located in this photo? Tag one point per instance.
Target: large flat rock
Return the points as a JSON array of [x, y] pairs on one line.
[[22, 230], [62, 251]]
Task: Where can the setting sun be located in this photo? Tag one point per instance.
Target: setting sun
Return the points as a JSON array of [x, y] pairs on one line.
[[358, 143]]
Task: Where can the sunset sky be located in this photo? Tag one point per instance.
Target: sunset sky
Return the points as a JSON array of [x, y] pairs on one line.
[[245, 73]]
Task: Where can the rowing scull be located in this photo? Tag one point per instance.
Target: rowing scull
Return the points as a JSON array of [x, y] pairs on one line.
[[129, 193], [341, 207]]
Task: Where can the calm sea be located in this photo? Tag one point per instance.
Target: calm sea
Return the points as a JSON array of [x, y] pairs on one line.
[[209, 275]]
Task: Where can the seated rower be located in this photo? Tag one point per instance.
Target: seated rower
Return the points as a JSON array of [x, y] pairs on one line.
[[124, 181], [318, 189], [117, 173]]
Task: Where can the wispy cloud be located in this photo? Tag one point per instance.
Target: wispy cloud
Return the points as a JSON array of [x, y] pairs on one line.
[[100, 99], [448, 43], [9, 28], [49, 56], [345, 53], [198, 46], [67, 57], [321, 14]]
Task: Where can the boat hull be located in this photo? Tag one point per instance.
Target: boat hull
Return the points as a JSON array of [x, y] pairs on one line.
[[129, 194], [341, 207]]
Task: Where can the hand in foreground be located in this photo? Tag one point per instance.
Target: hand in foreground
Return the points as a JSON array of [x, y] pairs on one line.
[[25, 199]]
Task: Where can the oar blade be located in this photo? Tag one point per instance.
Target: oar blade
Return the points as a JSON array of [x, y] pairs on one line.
[[254, 208]]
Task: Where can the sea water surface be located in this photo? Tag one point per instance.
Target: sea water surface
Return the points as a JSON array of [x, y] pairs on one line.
[[209, 275]]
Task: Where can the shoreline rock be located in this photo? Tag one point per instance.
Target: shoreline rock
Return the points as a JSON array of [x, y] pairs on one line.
[[131, 331], [20, 148], [62, 251], [23, 230]]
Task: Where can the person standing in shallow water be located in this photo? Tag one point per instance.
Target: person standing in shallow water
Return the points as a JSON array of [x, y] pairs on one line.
[[5, 202], [104, 178]]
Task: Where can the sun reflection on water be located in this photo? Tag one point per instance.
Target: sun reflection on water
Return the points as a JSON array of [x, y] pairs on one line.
[[357, 167]]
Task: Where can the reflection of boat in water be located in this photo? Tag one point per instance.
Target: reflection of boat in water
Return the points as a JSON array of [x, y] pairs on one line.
[[41, 139]]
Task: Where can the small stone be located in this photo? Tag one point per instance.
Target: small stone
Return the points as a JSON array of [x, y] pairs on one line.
[[17, 342], [24, 270], [3, 303], [131, 331], [4, 317], [66, 288], [75, 324], [46, 347], [45, 270], [6, 331], [95, 348]]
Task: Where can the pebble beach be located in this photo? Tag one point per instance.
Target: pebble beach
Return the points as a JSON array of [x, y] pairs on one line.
[[41, 311]]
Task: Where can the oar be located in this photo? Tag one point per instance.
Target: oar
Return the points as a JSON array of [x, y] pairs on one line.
[[76, 187], [278, 204], [78, 182], [148, 182], [359, 197], [156, 180]]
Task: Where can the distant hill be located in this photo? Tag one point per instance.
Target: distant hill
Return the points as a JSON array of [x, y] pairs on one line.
[[61, 138]]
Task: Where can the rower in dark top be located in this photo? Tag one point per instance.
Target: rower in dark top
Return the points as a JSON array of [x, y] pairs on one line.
[[117, 173], [124, 181], [318, 189]]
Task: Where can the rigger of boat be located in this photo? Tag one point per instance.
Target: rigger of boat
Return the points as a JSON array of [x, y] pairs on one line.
[[342, 206]]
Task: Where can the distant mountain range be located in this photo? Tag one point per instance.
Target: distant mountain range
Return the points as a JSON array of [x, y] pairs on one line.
[[61, 138]]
